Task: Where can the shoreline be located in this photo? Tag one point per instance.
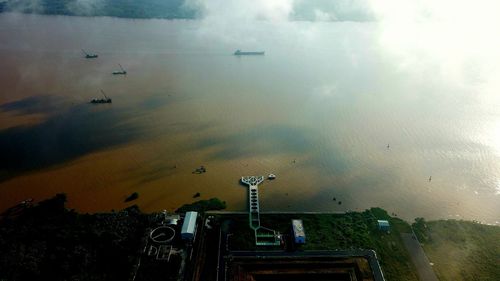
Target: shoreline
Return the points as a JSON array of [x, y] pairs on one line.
[[130, 204]]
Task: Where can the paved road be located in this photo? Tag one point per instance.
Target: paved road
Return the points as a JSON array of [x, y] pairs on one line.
[[424, 269]]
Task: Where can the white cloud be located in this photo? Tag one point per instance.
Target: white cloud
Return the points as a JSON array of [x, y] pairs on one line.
[[233, 22], [241, 10], [320, 15], [456, 37]]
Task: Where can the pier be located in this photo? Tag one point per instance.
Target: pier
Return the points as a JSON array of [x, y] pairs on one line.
[[263, 236], [253, 199]]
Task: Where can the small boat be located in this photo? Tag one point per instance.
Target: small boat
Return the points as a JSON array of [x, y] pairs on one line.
[[271, 176], [242, 53], [26, 202], [122, 71], [104, 100], [89, 56]]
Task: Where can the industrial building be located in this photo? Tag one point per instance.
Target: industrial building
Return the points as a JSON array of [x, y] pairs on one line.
[[188, 231], [383, 225], [299, 234]]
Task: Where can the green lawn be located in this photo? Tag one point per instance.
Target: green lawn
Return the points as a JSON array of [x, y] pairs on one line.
[[461, 250], [202, 206], [337, 231], [359, 230]]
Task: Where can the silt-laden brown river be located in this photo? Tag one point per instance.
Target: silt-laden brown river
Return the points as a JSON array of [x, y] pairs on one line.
[[318, 110]]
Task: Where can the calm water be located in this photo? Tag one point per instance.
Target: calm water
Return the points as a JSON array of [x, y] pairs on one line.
[[318, 110]]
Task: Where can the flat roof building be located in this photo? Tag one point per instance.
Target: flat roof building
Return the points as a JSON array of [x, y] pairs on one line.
[[188, 230], [299, 234], [383, 225]]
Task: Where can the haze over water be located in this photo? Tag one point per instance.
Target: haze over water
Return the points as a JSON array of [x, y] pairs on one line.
[[318, 110]]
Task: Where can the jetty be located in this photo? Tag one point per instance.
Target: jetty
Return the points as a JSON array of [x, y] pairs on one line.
[[263, 236], [253, 199]]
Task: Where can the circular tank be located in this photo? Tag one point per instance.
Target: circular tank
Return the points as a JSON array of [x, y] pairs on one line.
[[162, 234]]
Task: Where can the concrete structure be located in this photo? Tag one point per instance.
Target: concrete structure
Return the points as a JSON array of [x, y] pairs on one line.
[[352, 265], [253, 199], [162, 235], [263, 236], [383, 225], [299, 235], [188, 231], [170, 219]]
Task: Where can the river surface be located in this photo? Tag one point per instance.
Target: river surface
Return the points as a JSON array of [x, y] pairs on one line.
[[335, 110]]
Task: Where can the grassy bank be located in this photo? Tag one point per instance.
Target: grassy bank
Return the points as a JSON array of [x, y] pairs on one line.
[[201, 206], [337, 231], [359, 230], [461, 250]]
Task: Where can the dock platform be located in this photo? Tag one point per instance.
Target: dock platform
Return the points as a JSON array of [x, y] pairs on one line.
[[253, 199], [263, 236]]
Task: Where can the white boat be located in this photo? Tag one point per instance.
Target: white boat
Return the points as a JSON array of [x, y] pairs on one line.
[[271, 176]]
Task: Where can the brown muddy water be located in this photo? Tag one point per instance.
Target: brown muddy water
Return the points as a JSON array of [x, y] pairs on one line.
[[318, 110]]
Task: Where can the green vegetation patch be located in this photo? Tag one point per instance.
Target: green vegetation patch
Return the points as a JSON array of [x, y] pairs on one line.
[[360, 230], [460, 250], [201, 206], [352, 230]]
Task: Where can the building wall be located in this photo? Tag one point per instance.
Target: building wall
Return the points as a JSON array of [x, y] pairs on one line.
[[300, 240], [189, 226]]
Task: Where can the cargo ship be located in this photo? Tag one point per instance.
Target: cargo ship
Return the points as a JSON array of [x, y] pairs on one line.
[[242, 53], [120, 72], [89, 56]]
